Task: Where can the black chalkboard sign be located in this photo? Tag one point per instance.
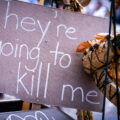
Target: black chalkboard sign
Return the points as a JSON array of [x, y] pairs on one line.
[[38, 59], [43, 114]]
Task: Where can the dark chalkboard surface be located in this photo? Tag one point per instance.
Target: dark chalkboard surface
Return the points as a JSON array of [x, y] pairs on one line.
[[43, 114], [38, 59]]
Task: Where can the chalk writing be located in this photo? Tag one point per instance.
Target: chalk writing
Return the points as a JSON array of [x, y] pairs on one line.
[[73, 92], [56, 52], [19, 80], [46, 84], [36, 50], [69, 62], [89, 94], [39, 76], [39, 115], [26, 21], [68, 30], [32, 85], [6, 45], [43, 32], [18, 50], [92, 93], [34, 58], [7, 16]]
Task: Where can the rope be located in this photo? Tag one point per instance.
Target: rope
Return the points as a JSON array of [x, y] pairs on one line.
[[106, 70], [116, 70], [89, 115]]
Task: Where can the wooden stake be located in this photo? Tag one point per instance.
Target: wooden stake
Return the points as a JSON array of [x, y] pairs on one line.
[[26, 106], [35, 106]]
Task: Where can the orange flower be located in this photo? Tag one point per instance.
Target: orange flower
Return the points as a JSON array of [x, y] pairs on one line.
[[83, 46]]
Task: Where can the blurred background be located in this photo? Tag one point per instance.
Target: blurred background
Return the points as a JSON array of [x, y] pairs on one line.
[[99, 8]]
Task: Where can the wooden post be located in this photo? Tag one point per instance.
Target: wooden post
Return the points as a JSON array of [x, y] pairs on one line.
[[26, 106], [35, 106]]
